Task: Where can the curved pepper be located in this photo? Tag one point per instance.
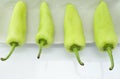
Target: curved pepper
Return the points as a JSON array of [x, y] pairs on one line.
[[45, 34], [104, 34], [17, 28], [74, 39]]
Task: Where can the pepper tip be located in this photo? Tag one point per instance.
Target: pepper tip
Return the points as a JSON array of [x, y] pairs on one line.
[[111, 68], [2, 59], [38, 57], [82, 64]]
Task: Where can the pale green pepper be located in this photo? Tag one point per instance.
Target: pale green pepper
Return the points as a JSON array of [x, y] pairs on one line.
[[45, 34], [17, 28], [74, 39], [104, 33]]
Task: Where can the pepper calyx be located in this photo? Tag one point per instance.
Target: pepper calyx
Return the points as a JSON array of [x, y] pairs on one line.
[[108, 48], [75, 49], [42, 42]]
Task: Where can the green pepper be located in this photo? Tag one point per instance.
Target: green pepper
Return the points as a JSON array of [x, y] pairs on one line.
[[17, 28], [45, 34], [74, 39], [104, 33]]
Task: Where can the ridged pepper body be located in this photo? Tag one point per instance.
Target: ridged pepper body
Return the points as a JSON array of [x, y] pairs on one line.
[[17, 27], [104, 32], [73, 31], [46, 27]]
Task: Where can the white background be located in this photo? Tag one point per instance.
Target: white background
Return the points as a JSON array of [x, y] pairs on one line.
[[56, 63]]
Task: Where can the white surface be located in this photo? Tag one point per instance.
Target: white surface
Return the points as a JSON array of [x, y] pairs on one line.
[[86, 10], [56, 63]]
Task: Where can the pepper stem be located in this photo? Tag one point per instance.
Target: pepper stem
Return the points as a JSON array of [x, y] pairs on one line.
[[10, 53], [40, 51], [109, 51], [75, 50]]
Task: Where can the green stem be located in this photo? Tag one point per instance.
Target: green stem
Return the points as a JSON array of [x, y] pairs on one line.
[[10, 53], [41, 46], [109, 51], [75, 50]]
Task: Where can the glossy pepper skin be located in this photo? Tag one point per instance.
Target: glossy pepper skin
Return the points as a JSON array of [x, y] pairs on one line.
[[74, 39], [104, 33], [17, 28], [45, 34]]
